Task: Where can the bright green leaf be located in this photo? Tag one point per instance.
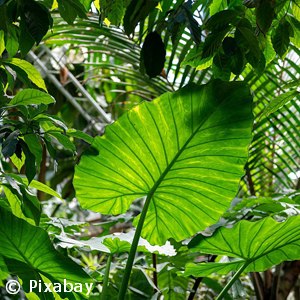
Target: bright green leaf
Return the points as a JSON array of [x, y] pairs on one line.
[[260, 245], [2, 43], [28, 253], [173, 150], [278, 102], [30, 97], [80, 135], [216, 6], [32, 73]]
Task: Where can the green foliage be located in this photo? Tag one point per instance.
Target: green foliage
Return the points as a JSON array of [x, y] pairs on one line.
[[255, 245], [175, 163], [172, 135], [29, 253]]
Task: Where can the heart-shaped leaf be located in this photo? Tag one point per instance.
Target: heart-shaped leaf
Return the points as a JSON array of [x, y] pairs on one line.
[[256, 245], [185, 152]]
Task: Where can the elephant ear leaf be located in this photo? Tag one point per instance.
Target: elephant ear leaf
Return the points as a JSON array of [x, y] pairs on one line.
[[184, 151], [256, 246]]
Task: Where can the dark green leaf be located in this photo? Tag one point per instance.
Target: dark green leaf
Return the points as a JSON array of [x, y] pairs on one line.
[[213, 42], [153, 54], [136, 11], [37, 19], [265, 14], [11, 41], [30, 169], [281, 38], [34, 144], [63, 140], [10, 143], [221, 19], [70, 9]]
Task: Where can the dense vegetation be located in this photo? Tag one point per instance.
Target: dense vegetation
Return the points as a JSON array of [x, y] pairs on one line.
[[150, 149]]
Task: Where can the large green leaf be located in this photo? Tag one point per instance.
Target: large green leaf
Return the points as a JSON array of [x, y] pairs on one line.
[[185, 150], [256, 245], [29, 253]]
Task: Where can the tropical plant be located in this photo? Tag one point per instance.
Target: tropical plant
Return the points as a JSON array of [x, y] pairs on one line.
[[202, 158]]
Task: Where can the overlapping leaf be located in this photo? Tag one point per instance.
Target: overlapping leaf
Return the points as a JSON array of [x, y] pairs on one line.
[[259, 245], [29, 253], [185, 150]]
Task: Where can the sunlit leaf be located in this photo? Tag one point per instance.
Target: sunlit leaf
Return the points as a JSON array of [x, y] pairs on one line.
[[259, 245], [173, 150]]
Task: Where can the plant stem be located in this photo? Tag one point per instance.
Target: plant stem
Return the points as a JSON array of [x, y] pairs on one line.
[[106, 277], [154, 260], [133, 248], [232, 281]]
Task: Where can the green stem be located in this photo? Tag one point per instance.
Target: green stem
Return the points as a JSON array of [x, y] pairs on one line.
[[232, 281], [106, 277], [133, 248]]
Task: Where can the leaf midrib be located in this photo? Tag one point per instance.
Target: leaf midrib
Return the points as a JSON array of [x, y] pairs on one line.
[[170, 165]]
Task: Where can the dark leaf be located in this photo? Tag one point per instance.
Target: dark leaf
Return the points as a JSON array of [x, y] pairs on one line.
[[153, 54], [281, 38], [9, 145], [37, 19], [221, 19], [137, 11], [70, 9], [31, 206], [265, 14], [30, 169], [213, 42]]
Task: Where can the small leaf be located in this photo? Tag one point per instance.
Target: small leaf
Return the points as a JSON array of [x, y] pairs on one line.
[[136, 11], [63, 140], [30, 169], [281, 38], [247, 39], [113, 11], [260, 245], [32, 73], [80, 135], [221, 20], [70, 9], [279, 101], [34, 144], [2, 43], [10, 143], [12, 42], [213, 42], [216, 6], [153, 54], [30, 97], [36, 18], [265, 14]]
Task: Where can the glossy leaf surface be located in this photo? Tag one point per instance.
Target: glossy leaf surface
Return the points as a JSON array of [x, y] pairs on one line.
[[186, 150], [261, 245]]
